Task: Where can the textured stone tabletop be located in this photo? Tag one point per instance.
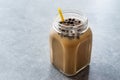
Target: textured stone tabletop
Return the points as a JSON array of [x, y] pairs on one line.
[[24, 34]]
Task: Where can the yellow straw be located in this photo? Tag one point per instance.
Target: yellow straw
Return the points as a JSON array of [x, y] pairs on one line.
[[60, 13]]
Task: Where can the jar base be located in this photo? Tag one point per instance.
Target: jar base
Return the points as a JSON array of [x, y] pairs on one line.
[[71, 74]]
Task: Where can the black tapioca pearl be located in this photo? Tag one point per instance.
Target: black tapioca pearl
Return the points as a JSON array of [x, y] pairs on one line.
[[71, 31], [63, 30], [73, 19], [73, 25], [71, 22], [69, 19], [58, 33], [67, 31], [79, 21], [61, 22], [59, 28], [66, 20], [73, 34], [66, 35], [65, 23], [78, 37], [75, 22], [79, 30]]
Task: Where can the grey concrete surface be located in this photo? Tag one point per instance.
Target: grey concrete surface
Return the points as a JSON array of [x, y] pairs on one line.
[[24, 34]]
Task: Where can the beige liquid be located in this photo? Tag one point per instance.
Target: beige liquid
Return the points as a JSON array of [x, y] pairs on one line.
[[70, 55]]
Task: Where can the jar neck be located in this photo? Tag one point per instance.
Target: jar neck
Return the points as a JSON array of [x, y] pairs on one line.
[[71, 30]]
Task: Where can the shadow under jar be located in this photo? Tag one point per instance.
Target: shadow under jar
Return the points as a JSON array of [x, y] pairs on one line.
[[70, 45]]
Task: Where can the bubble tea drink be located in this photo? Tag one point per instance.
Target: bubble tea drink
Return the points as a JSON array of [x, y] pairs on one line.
[[70, 43]]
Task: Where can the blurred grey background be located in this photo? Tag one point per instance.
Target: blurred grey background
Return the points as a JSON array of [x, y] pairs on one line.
[[24, 39]]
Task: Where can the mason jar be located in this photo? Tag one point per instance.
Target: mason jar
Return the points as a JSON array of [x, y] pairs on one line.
[[70, 46]]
